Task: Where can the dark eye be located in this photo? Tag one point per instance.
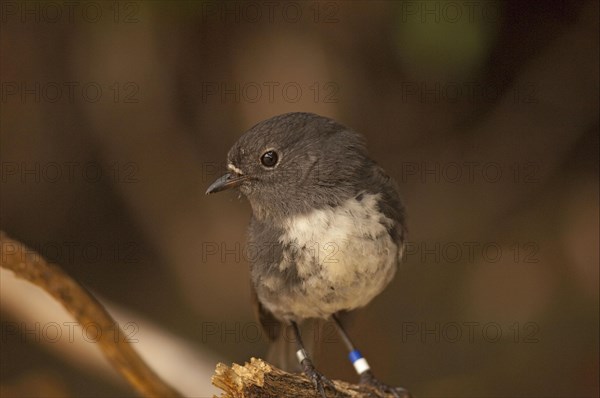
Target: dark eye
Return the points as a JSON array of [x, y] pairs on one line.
[[269, 158]]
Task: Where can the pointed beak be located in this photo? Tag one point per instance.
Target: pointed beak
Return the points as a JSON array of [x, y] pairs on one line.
[[227, 181]]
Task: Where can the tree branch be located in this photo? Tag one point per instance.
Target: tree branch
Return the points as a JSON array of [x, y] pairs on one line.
[[27, 264], [259, 379]]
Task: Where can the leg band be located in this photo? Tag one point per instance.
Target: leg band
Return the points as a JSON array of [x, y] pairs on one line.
[[360, 364], [301, 355]]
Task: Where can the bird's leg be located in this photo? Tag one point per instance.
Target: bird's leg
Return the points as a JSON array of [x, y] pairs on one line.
[[308, 367], [362, 366]]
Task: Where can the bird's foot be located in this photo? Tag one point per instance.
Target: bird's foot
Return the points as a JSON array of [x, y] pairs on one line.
[[368, 378], [319, 381]]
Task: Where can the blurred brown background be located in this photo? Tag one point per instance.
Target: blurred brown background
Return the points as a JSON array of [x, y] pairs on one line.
[[117, 115]]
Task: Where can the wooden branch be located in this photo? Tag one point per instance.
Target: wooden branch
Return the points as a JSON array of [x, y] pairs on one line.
[[259, 379], [27, 264]]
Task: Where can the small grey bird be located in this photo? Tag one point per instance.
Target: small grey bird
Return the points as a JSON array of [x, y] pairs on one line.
[[328, 226]]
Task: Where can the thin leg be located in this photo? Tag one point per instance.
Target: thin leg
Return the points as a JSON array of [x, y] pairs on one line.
[[308, 368], [362, 366]]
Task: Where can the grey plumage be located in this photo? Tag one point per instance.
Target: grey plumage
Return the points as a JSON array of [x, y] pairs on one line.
[[324, 189]]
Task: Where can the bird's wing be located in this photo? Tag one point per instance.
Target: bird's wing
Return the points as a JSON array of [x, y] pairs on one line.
[[271, 326], [391, 204]]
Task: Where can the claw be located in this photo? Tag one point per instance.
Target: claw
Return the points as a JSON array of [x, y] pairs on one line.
[[318, 380], [369, 379]]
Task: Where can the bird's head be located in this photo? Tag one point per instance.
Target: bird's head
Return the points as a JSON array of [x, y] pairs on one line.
[[295, 162]]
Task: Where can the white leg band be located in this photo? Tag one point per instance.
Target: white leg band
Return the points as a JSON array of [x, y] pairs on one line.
[[361, 365], [301, 355]]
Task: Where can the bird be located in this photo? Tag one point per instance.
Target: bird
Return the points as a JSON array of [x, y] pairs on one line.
[[328, 227]]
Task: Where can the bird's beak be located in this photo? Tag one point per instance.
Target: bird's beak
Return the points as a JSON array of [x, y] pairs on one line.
[[227, 181]]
